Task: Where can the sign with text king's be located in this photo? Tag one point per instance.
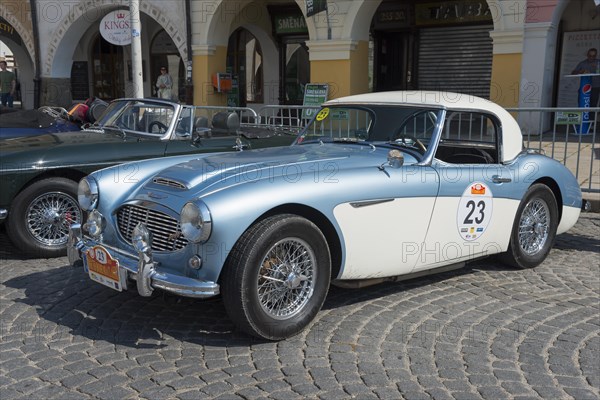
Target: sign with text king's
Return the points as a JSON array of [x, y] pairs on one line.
[[115, 27]]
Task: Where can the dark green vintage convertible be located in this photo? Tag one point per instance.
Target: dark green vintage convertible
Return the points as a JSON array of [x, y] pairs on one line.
[[39, 174]]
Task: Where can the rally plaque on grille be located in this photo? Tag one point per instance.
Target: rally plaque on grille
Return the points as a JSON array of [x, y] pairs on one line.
[[103, 268]]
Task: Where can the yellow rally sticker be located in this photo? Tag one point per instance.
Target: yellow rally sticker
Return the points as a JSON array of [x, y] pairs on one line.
[[322, 114]]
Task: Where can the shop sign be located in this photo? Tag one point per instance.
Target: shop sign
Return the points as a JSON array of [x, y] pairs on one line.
[[290, 24], [452, 12], [392, 15], [315, 6], [115, 27], [7, 30], [315, 94], [568, 118]]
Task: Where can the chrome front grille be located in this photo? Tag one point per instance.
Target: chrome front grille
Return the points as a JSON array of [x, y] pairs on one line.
[[166, 232]]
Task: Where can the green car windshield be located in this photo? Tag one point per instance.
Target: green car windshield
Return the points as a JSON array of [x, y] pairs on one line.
[[395, 124], [138, 116]]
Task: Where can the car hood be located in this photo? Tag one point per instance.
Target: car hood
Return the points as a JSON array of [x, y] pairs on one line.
[[72, 143], [293, 162]]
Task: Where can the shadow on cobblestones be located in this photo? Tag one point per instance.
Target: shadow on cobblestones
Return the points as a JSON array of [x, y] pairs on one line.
[[73, 305]]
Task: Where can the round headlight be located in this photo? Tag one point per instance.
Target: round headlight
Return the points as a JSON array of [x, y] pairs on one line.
[[195, 221], [87, 193]]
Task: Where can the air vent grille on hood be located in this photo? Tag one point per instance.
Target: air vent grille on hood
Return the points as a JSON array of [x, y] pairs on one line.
[[169, 182]]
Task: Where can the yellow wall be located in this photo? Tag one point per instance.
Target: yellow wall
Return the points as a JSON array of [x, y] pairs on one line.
[[345, 77], [506, 78], [204, 66]]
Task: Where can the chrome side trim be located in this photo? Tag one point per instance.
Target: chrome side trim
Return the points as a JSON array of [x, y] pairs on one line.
[[366, 203]]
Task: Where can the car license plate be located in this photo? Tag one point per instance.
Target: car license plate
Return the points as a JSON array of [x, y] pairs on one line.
[[103, 268]]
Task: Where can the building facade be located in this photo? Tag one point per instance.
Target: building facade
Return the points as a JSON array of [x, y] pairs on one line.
[[512, 52]]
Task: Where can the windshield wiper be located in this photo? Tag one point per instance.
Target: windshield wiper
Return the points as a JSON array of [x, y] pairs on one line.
[[353, 141], [402, 144]]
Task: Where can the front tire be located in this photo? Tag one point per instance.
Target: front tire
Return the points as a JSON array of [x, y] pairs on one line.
[[40, 217], [276, 277], [534, 228]]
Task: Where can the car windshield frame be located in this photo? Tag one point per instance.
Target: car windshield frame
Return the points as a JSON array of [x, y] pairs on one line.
[[393, 125], [140, 117]]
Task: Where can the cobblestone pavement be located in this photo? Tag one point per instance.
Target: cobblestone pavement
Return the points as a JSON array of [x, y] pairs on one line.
[[486, 331]]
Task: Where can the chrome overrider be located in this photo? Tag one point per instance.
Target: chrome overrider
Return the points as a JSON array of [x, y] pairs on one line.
[[142, 267]]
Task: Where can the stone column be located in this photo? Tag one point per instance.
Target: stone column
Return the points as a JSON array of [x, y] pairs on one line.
[[208, 60], [343, 64]]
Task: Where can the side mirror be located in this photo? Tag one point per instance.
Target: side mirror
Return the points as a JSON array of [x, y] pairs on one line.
[[395, 158]]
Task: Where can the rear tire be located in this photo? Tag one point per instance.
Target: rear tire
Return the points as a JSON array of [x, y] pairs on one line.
[[40, 217], [534, 228], [276, 277]]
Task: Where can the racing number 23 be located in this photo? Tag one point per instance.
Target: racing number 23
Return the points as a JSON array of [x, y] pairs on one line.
[[472, 206]]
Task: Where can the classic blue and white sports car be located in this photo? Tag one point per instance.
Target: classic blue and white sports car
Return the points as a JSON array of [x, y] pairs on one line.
[[380, 186]]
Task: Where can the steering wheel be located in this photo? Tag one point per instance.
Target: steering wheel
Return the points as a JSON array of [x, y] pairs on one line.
[[162, 128], [403, 139]]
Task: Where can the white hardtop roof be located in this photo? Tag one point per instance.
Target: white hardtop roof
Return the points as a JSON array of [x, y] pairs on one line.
[[435, 99], [512, 139]]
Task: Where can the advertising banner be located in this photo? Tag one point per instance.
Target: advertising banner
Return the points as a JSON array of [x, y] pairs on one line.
[[575, 46], [315, 94]]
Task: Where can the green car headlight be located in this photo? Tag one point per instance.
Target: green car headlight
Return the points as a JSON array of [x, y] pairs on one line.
[[195, 221], [87, 193]]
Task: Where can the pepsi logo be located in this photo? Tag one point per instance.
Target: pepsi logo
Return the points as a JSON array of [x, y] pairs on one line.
[[587, 88]]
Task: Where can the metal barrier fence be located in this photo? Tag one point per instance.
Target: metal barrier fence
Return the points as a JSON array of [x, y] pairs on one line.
[[563, 135], [246, 114], [283, 115]]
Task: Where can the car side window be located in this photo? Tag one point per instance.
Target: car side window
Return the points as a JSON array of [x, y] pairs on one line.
[[469, 138]]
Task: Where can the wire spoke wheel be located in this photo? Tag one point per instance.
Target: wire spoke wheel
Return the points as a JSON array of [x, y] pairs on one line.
[[277, 276], [534, 226], [49, 216], [286, 278]]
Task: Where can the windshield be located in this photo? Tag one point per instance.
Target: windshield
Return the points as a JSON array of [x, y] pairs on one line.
[[402, 125], [138, 116]]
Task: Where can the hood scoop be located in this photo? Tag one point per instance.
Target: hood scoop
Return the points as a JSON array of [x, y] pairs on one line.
[[169, 182]]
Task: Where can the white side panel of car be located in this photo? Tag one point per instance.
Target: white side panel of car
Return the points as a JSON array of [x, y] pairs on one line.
[[444, 244], [379, 239], [568, 219]]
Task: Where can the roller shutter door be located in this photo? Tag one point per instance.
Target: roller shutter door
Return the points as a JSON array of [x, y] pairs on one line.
[[457, 59]]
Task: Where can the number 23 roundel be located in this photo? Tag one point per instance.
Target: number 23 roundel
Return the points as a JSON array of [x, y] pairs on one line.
[[474, 211]]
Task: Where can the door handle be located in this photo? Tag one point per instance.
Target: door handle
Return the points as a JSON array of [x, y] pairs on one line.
[[499, 179]]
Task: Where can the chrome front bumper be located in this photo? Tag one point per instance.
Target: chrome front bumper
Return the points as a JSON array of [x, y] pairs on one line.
[[140, 268]]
